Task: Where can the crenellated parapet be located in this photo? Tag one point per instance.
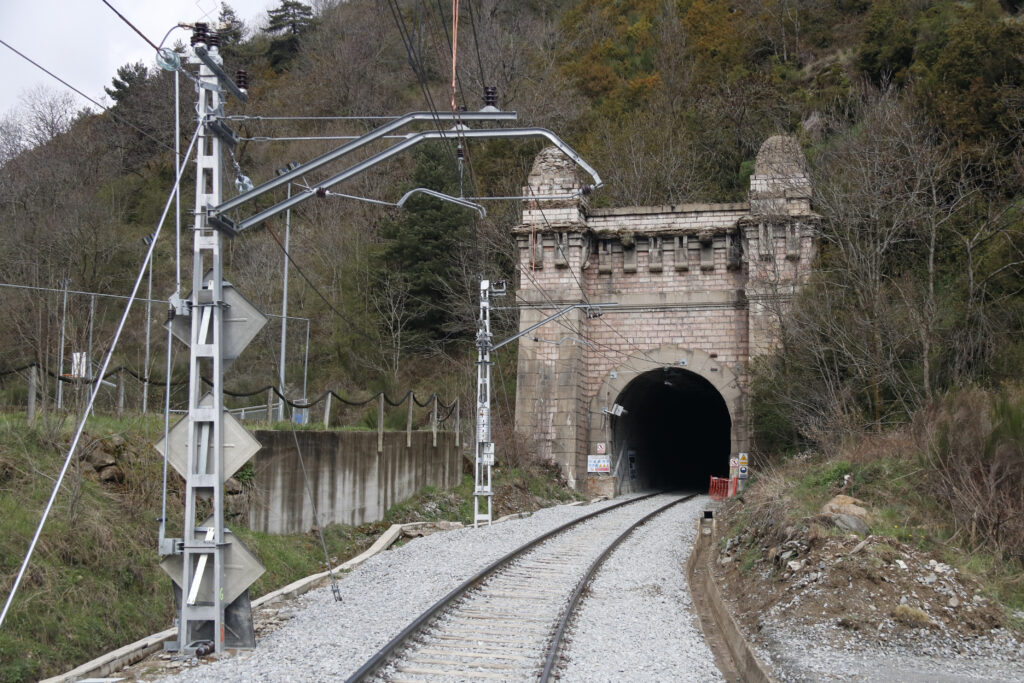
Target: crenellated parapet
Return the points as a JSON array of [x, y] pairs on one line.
[[702, 280]]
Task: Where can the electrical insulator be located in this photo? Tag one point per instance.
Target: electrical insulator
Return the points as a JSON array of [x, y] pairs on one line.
[[242, 79], [199, 33], [321, 192], [213, 39], [458, 151], [491, 96]]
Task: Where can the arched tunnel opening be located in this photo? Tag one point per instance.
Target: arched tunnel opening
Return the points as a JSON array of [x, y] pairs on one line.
[[674, 432]]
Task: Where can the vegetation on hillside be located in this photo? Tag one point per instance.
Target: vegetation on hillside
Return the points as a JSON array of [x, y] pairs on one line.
[[94, 583], [910, 114]]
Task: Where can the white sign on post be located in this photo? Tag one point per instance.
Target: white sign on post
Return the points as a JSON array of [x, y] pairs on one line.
[[599, 463], [743, 459]]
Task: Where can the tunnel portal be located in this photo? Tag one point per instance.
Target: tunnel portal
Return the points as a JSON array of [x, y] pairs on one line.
[[674, 432]]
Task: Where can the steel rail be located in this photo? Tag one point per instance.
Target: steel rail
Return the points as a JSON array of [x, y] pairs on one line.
[[379, 659], [556, 641]]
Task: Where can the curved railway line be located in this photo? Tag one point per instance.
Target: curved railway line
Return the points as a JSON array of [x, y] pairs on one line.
[[509, 620]]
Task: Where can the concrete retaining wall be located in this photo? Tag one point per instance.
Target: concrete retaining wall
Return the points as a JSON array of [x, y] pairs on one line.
[[350, 480]]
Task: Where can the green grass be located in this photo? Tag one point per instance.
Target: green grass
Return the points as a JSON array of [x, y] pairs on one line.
[[94, 583]]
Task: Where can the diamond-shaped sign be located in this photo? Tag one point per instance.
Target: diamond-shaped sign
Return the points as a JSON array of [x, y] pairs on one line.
[[239, 444], [242, 321], [241, 568]]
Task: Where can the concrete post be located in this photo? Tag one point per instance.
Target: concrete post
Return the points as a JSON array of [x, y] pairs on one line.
[[31, 393], [380, 423], [408, 422], [458, 422], [270, 402], [327, 411], [433, 420], [120, 392]]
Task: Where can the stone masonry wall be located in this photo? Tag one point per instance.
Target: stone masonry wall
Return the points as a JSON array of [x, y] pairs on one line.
[[698, 283]]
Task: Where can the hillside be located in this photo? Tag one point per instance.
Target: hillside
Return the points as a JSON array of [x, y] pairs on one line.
[[901, 359]]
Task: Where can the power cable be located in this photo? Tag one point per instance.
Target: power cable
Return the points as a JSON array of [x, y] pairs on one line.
[[133, 27], [82, 94], [476, 42], [302, 273], [257, 117], [417, 65], [316, 516]]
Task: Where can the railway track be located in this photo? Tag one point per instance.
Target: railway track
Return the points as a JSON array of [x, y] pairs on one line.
[[508, 621]]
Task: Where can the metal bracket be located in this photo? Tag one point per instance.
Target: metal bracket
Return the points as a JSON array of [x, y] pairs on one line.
[[222, 131], [204, 56], [221, 223]]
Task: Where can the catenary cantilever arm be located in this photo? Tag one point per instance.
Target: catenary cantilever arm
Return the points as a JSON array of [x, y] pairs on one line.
[[411, 141], [461, 201], [376, 134]]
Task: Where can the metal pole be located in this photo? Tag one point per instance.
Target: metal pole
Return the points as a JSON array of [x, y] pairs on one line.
[[92, 317], [149, 319], [484, 447], [284, 300], [60, 365], [305, 363], [88, 363]]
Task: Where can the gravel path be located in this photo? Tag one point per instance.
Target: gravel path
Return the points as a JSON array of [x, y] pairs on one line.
[[806, 654], [324, 639], [637, 622]]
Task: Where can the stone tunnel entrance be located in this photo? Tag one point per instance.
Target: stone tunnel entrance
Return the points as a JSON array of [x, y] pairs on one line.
[[673, 433]]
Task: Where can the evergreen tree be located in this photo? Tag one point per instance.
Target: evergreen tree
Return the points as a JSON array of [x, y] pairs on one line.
[[288, 21], [424, 245], [232, 28], [128, 76], [292, 17]]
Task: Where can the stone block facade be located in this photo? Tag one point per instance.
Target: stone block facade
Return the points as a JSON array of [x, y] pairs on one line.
[[693, 285]]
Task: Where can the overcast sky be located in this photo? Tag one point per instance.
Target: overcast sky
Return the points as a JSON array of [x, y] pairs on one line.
[[84, 42]]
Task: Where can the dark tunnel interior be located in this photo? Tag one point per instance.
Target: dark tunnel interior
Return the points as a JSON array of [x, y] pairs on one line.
[[674, 432]]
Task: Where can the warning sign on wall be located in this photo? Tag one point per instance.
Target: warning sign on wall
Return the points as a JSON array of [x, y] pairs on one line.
[[599, 463]]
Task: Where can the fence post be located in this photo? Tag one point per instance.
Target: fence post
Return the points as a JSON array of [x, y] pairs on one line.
[[408, 422], [31, 393], [458, 422], [433, 420], [270, 412], [327, 411], [380, 423], [120, 392]]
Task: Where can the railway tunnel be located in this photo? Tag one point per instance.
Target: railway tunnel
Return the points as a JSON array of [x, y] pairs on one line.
[[673, 433]]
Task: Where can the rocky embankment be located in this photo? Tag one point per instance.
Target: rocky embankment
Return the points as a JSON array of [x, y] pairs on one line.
[[821, 601]]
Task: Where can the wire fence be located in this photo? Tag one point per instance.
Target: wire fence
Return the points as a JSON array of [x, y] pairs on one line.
[[32, 387]]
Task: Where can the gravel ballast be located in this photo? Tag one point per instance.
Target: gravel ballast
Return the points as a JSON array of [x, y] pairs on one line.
[[322, 639], [637, 622]]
